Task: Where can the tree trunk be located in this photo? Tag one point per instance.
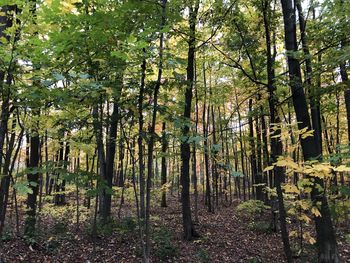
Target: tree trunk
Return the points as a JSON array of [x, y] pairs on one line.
[[326, 242], [164, 166], [140, 138], [189, 231], [152, 135], [205, 146], [33, 180], [276, 143]]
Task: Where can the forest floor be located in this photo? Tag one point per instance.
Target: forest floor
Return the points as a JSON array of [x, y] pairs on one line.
[[224, 237]]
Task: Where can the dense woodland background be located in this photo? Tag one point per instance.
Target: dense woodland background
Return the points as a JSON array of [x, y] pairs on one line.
[[174, 131]]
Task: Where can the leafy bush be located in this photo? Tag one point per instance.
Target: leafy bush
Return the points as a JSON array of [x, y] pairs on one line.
[[164, 248], [123, 226], [6, 234], [126, 225], [59, 228], [261, 226], [203, 256], [340, 210], [102, 228], [252, 207], [347, 238], [254, 260]]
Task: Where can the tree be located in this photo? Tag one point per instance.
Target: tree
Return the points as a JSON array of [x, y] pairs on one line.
[[326, 242], [189, 230]]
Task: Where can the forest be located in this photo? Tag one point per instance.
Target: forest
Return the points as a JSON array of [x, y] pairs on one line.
[[175, 131]]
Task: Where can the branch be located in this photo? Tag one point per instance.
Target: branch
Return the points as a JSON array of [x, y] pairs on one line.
[[238, 66]]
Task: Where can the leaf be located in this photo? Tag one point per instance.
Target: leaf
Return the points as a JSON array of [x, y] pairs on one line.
[[215, 148], [315, 211], [58, 76], [309, 238], [305, 218], [23, 188], [342, 168], [237, 174], [269, 168], [304, 204], [306, 134], [119, 54], [291, 188], [293, 233], [196, 139]]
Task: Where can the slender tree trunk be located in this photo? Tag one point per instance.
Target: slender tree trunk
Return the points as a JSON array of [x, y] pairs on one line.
[[253, 160], [6, 179], [214, 152], [276, 143], [164, 166], [205, 146], [152, 135], [140, 138], [345, 80], [188, 227], [241, 148], [194, 163], [33, 180], [314, 96]]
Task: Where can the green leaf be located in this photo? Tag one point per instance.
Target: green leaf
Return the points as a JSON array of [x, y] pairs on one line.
[[22, 188]]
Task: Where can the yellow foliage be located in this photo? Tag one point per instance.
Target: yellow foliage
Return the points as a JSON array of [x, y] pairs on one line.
[[288, 162], [315, 211], [291, 188], [309, 238], [293, 233], [268, 168], [342, 168], [305, 218], [304, 204], [307, 134]]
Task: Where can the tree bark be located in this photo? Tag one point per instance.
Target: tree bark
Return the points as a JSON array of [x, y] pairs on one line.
[[164, 166], [276, 143], [188, 227], [326, 241]]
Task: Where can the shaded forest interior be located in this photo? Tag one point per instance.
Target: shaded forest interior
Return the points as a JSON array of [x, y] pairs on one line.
[[174, 131]]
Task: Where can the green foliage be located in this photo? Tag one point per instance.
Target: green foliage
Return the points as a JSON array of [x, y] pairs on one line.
[[56, 235], [237, 174], [102, 228], [164, 247], [260, 226], [340, 210], [252, 207], [6, 234], [59, 228], [254, 260], [203, 255], [347, 238], [124, 226], [23, 188]]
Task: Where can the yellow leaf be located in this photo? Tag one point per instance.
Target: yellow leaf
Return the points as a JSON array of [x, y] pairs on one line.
[[268, 168], [307, 190], [291, 188], [309, 238], [312, 240], [307, 134], [304, 205], [305, 218], [293, 233], [315, 211], [342, 168]]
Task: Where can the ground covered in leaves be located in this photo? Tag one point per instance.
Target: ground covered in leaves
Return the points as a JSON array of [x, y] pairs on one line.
[[225, 236]]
